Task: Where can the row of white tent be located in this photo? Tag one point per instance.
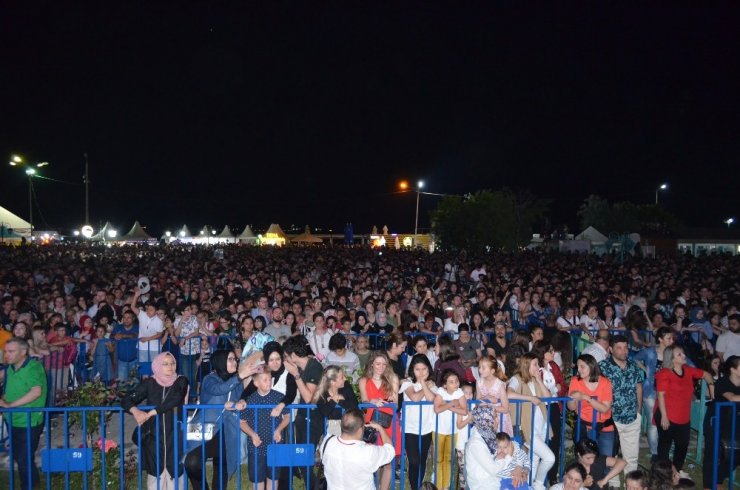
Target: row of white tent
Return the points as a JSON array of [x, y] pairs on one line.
[[208, 236]]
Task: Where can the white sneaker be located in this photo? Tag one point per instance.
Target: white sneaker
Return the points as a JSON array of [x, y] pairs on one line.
[[683, 474]]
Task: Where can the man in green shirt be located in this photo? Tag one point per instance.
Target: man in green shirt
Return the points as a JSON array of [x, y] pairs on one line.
[[25, 387]]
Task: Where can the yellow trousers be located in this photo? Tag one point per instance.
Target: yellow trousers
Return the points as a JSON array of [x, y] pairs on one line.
[[444, 461]]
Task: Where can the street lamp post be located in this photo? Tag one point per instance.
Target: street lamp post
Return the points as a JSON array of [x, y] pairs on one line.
[[419, 185], [729, 221], [661, 187], [17, 161]]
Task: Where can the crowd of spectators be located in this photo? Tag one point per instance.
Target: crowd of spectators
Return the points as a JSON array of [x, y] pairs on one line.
[[622, 340]]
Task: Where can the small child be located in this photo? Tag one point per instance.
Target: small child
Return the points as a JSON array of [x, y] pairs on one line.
[[258, 425], [492, 390], [450, 401], [462, 430], [100, 354], [203, 362]]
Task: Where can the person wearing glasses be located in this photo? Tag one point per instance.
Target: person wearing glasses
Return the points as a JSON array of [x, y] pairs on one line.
[[221, 387], [167, 393]]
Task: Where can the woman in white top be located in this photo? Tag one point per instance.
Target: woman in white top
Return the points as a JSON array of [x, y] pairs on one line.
[[418, 420]]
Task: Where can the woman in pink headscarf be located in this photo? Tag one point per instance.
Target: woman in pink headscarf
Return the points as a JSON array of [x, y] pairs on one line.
[[166, 392]]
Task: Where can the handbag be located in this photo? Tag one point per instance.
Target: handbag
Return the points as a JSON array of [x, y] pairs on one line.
[[382, 418], [200, 431]]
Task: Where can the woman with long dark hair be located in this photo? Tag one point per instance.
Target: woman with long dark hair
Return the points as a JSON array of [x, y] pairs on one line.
[[418, 420], [593, 392], [448, 359]]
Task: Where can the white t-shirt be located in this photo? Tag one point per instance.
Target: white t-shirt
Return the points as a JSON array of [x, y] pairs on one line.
[[446, 420], [567, 323], [450, 326], [350, 361], [149, 326], [591, 323], [596, 350], [728, 344], [350, 465], [418, 419]]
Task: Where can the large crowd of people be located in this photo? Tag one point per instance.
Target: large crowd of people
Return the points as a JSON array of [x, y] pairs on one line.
[[475, 348]]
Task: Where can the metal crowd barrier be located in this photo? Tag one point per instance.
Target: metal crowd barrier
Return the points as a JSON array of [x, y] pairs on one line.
[[68, 452], [717, 429]]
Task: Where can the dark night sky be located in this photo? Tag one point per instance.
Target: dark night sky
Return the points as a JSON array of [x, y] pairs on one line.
[[309, 113]]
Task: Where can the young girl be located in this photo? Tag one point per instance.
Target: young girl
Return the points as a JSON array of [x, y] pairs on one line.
[[450, 400], [100, 354], [492, 390], [461, 430]]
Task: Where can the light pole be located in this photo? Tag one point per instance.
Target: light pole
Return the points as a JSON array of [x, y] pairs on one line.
[[17, 161], [729, 221], [661, 187]]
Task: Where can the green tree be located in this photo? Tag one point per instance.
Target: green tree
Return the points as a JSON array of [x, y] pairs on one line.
[[486, 220], [626, 217]]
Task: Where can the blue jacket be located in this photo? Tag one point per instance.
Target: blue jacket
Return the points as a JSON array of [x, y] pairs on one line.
[[215, 391]]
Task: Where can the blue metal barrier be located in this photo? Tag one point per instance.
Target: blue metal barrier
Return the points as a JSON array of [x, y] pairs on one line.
[[82, 441], [718, 406]]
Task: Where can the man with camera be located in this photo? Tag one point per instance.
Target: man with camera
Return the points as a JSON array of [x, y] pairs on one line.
[[351, 459]]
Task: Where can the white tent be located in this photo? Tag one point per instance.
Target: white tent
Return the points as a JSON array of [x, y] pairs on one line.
[[592, 235], [274, 236], [307, 237], [225, 236], [136, 234], [104, 235], [247, 236], [14, 222], [183, 234]]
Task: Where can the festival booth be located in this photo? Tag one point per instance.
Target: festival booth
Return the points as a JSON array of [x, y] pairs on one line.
[[273, 236], [247, 236], [183, 235], [9, 236], [14, 222], [225, 236], [206, 236], [136, 235], [306, 238], [106, 234]]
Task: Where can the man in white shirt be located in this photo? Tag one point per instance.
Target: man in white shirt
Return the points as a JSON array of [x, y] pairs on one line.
[[728, 344], [150, 328], [600, 348], [349, 462]]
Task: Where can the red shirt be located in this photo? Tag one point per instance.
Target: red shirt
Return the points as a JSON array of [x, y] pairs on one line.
[[679, 392]]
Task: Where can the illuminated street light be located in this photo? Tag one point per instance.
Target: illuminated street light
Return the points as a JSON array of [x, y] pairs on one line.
[[168, 233], [182, 234], [404, 186], [729, 221], [17, 161], [76, 232], [661, 187], [112, 233]]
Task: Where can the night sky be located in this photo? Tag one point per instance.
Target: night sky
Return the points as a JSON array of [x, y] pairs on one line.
[[310, 113]]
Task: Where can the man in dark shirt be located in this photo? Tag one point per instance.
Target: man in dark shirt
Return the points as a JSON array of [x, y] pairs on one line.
[[307, 371]]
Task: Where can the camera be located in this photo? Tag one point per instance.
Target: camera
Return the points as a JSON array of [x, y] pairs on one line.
[[370, 435]]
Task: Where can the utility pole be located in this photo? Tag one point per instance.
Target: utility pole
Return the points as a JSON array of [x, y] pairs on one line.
[[87, 191]]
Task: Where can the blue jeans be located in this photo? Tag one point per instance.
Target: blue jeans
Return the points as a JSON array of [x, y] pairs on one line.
[[605, 440], [652, 430], [124, 368], [187, 368], [28, 473]]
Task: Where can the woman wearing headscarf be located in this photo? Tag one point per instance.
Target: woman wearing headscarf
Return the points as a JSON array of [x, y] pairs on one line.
[[221, 387], [490, 457], [166, 392]]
